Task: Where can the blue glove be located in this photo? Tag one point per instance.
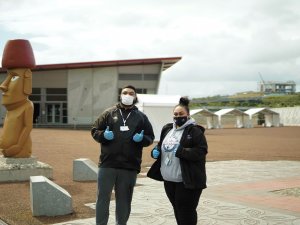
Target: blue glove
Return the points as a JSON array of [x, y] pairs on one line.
[[108, 135], [138, 137], [155, 153]]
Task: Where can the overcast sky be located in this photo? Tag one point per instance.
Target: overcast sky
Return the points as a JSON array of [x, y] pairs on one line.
[[224, 44]]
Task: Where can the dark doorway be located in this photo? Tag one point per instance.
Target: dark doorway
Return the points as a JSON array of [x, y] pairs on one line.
[[36, 113]]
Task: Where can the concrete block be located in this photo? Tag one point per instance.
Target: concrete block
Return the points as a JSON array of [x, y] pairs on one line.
[[20, 169], [84, 170], [48, 198]]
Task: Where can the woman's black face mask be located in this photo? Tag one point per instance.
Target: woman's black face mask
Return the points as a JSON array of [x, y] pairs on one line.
[[179, 121]]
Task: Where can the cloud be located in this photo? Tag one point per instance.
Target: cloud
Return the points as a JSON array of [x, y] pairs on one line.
[[219, 41]]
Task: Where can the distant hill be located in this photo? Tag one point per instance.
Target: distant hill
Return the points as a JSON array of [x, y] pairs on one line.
[[248, 99]]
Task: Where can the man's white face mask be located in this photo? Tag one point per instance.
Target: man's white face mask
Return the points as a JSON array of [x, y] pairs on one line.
[[127, 99]]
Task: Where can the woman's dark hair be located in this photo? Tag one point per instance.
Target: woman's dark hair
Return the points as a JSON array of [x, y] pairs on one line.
[[184, 102]]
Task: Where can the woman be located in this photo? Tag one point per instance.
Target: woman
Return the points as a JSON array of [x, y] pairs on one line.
[[181, 156]]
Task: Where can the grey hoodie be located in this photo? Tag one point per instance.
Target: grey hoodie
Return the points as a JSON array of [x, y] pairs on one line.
[[170, 165]]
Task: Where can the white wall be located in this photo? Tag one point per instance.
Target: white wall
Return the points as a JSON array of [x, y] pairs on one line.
[[90, 92], [158, 117], [50, 79], [80, 96], [289, 116], [105, 89]]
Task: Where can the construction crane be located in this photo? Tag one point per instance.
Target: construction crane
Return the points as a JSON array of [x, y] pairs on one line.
[[262, 88], [262, 80], [267, 89]]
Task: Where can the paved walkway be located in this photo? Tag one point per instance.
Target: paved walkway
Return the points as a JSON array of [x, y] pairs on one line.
[[239, 192]]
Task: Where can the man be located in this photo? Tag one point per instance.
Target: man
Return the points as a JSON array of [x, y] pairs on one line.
[[122, 131]]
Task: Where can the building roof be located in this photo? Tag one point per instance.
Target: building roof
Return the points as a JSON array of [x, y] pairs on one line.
[[230, 111], [260, 110], [203, 112], [166, 63]]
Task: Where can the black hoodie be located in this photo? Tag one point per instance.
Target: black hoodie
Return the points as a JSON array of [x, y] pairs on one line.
[[192, 154], [122, 152]]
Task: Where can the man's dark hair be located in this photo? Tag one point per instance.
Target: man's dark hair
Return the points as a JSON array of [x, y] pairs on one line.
[[131, 87]]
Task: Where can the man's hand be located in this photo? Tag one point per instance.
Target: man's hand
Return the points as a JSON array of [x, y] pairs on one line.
[[108, 135], [138, 137]]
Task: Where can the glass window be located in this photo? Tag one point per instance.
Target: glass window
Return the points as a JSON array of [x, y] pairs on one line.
[[56, 94], [34, 97], [141, 91], [130, 77], [58, 98], [56, 91], [36, 91], [150, 76]]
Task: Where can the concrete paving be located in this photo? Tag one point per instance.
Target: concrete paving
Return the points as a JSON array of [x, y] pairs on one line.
[[239, 192], [2, 222]]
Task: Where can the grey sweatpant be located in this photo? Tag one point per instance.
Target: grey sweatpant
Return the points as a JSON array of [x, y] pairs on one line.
[[123, 182]]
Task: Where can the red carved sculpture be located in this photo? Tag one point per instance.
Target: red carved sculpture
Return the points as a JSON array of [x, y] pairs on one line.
[[18, 59]]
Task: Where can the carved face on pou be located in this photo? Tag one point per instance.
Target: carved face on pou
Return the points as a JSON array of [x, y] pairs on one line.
[[17, 86]]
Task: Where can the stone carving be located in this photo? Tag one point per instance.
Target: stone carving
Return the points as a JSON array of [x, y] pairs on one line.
[[18, 59]]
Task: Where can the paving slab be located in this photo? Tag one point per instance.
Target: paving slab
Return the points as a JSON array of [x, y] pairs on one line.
[[239, 192]]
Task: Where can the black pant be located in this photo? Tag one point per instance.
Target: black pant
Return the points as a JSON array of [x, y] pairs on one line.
[[123, 181], [184, 202]]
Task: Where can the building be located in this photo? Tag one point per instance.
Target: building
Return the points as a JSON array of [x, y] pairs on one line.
[[74, 94], [272, 87]]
